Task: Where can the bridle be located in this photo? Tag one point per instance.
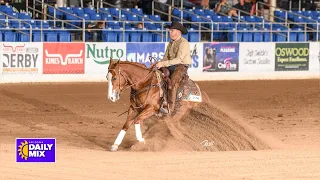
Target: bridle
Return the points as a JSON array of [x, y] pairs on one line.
[[127, 84]]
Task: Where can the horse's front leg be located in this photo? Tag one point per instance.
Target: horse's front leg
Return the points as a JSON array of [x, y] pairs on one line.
[[130, 118], [146, 113]]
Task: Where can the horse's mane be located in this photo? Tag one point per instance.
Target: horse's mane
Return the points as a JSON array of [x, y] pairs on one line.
[[115, 62]]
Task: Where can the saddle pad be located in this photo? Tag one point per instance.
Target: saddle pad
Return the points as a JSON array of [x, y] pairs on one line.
[[189, 91]]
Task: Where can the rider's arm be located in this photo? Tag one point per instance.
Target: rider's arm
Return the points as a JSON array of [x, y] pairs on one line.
[[165, 57], [183, 52]]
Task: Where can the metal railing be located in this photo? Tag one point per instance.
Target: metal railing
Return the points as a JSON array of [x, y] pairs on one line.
[[12, 18], [293, 13]]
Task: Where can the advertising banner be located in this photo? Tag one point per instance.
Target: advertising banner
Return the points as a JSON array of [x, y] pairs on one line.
[[256, 57], [98, 56], [292, 57], [140, 52], [21, 58], [220, 57], [196, 52], [63, 58]]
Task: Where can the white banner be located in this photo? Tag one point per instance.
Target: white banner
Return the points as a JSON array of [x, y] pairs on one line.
[[257, 57], [314, 57], [98, 56], [21, 58], [196, 53]]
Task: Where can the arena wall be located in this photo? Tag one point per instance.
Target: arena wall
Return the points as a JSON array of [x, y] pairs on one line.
[[85, 62]]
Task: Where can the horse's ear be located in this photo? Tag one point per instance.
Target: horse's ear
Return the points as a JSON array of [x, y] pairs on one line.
[[111, 60]]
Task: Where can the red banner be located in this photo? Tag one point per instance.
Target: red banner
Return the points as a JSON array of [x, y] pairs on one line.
[[63, 58]]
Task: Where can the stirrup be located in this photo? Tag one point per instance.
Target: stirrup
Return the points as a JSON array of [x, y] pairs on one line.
[[165, 110]]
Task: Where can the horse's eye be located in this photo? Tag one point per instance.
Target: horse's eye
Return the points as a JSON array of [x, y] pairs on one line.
[[114, 78]]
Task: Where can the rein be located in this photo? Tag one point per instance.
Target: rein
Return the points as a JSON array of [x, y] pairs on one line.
[[127, 86]]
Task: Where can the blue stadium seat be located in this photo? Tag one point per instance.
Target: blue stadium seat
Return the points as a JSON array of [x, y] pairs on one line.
[[155, 17], [88, 10], [114, 12], [293, 35], [307, 13], [104, 11], [247, 36], [257, 36], [149, 25], [199, 12], [95, 16], [146, 36], [209, 12], [216, 18], [6, 9], [134, 35], [144, 17], [157, 35], [86, 17], [64, 36], [279, 16], [122, 17], [51, 37], [23, 36], [108, 35], [73, 20], [78, 10], [137, 11], [193, 35], [24, 16], [303, 37], [250, 18], [9, 36], [126, 11], [132, 17]]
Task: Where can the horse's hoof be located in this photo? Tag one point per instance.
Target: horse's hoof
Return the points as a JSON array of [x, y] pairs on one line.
[[142, 141], [114, 148]]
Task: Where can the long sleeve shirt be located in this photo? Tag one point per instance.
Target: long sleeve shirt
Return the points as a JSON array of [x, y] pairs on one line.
[[177, 52]]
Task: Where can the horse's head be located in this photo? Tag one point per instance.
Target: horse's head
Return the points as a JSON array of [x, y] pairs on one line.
[[116, 80]]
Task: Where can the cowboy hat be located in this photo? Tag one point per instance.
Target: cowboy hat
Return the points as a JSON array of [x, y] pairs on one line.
[[178, 26]]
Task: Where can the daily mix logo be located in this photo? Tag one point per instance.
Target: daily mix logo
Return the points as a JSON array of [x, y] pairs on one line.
[[292, 56], [140, 52], [220, 57], [20, 58], [63, 58], [36, 150]]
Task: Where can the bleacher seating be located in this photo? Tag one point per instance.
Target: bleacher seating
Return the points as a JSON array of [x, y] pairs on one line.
[[242, 29]]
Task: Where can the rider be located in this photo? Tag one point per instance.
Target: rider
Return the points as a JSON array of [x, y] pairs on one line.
[[177, 59]]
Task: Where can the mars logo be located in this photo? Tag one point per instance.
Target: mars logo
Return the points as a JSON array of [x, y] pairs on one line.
[[63, 58], [35, 150]]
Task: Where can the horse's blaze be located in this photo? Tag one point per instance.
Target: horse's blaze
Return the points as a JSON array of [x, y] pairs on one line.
[[112, 94]]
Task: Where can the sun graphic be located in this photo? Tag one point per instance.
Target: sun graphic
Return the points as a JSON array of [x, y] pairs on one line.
[[24, 150]]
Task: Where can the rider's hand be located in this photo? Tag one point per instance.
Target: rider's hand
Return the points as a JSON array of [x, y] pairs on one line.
[[158, 65]]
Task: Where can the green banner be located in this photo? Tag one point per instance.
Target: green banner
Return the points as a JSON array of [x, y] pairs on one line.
[[292, 57]]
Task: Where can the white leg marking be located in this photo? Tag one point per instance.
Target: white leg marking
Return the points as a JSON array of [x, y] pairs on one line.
[[120, 137], [138, 133]]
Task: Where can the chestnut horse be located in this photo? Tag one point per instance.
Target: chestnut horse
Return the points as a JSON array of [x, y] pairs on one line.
[[145, 94]]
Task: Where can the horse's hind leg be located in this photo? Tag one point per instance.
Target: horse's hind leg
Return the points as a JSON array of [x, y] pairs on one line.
[[125, 127]]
